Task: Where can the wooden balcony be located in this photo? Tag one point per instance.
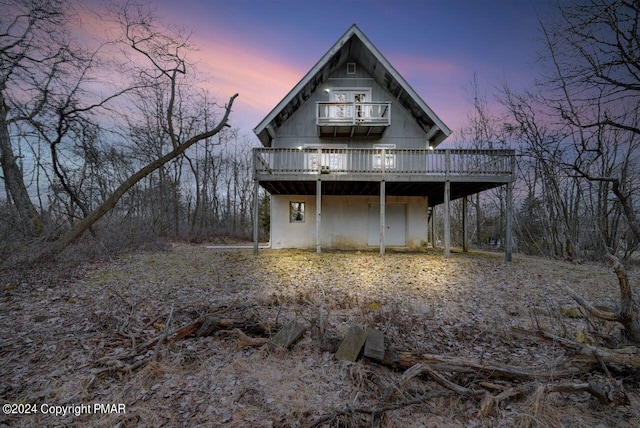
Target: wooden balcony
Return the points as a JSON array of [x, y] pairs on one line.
[[340, 120], [408, 172]]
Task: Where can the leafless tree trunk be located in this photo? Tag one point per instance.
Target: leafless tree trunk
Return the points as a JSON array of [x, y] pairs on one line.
[[111, 201], [30, 46], [38, 56], [543, 149], [594, 96], [596, 90], [13, 179], [164, 54], [484, 132]]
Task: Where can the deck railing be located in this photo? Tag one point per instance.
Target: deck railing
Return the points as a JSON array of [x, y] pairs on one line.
[[353, 113], [271, 162]]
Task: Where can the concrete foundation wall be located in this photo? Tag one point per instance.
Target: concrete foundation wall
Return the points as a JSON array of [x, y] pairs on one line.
[[344, 221]]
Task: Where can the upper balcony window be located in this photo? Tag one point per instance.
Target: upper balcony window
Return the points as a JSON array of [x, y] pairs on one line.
[[349, 103], [351, 112]]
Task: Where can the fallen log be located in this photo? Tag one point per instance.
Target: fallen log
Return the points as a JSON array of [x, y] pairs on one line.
[[208, 325], [420, 369], [626, 358], [587, 358], [627, 311], [402, 381], [213, 324], [440, 363], [245, 341]]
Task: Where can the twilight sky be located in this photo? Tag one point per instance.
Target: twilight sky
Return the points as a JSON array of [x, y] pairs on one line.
[[262, 48]]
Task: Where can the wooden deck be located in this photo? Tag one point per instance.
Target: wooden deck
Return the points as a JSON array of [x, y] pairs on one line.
[[440, 175], [408, 172]]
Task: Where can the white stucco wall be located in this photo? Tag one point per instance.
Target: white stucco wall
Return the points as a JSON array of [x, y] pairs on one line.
[[344, 221]]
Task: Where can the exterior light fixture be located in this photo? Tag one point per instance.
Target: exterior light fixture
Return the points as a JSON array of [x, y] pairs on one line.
[[327, 90]]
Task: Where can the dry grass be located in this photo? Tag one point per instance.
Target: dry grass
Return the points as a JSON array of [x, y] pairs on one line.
[[67, 343]]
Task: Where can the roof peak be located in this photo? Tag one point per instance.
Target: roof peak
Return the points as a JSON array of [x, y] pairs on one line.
[[386, 75]]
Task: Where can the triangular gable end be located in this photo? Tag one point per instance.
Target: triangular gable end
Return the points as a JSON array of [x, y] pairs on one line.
[[376, 65]]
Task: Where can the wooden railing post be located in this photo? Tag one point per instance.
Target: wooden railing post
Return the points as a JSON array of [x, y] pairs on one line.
[[255, 163], [383, 201], [353, 113], [447, 163]]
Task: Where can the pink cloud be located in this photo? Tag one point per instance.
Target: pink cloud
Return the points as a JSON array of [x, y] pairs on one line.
[[409, 65], [228, 66], [261, 81], [439, 82], [263, 77], [260, 78]]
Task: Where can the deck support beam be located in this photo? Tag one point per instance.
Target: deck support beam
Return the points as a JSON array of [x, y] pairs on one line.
[[447, 219], [433, 227], [256, 213], [383, 225], [319, 216], [508, 244], [465, 224], [428, 224]]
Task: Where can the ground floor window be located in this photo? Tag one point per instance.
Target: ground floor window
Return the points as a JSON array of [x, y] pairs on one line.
[[296, 212]]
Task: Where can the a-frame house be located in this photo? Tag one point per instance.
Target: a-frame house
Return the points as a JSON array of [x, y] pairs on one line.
[[350, 158]]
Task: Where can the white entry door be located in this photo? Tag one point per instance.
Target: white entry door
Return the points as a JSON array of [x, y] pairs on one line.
[[396, 225]]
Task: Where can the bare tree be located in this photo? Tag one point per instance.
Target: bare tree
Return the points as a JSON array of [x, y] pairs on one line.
[[543, 150], [592, 102], [479, 134], [485, 131], [47, 102], [32, 49], [594, 53], [594, 49], [90, 149], [161, 64]]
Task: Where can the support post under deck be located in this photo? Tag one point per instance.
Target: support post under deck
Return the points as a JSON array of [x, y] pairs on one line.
[[508, 244], [256, 213], [318, 216], [447, 219], [433, 227], [465, 224], [383, 225]]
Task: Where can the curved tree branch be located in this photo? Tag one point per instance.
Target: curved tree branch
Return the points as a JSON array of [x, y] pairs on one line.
[[78, 230]]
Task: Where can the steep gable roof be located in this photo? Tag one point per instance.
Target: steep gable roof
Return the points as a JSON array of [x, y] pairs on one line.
[[354, 45]]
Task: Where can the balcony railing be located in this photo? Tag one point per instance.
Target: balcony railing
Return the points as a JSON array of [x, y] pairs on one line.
[[364, 114], [270, 162]]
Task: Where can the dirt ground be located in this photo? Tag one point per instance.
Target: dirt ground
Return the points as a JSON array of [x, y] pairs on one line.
[[87, 338]]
